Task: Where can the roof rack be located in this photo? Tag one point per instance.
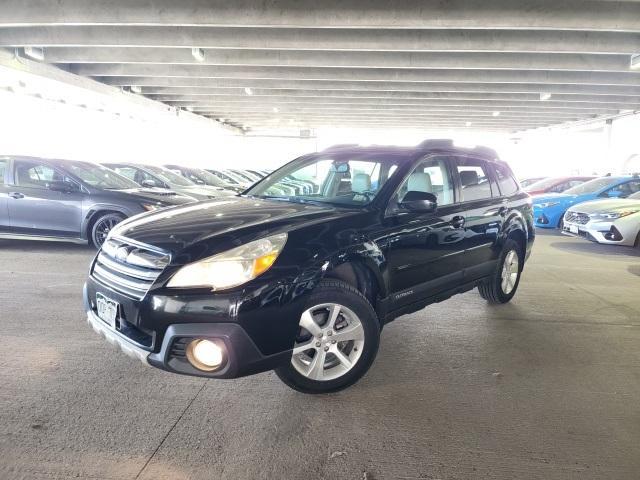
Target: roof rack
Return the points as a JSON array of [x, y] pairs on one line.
[[436, 143], [485, 151], [340, 146]]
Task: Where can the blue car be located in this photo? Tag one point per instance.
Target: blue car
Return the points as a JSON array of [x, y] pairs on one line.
[[549, 209]]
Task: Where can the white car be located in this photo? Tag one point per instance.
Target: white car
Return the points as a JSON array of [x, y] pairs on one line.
[[615, 220]]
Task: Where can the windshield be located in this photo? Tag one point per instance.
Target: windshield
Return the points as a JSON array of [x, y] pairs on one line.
[[206, 177], [224, 177], [169, 177], [345, 182], [592, 186], [100, 177], [635, 196]]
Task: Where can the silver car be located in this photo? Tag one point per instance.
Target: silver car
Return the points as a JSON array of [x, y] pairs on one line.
[[615, 220]]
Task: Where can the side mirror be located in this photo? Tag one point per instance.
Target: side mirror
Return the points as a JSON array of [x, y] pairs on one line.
[[149, 183], [65, 187], [423, 202]]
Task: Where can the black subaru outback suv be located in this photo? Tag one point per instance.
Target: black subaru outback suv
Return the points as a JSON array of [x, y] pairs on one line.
[[304, 284]]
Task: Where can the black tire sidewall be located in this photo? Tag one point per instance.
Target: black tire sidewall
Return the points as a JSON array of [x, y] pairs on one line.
[[343, 294]]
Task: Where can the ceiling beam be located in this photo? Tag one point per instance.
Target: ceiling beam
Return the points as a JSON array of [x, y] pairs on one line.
[[442, 40], [360, 75], [493, 92], [474, 14], [383, 103], [330, 59]]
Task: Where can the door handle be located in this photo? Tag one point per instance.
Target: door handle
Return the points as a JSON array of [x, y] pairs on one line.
[[457, 221], [16, 195]]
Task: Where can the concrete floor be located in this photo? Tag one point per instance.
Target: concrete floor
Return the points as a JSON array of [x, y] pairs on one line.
[[547, 387]]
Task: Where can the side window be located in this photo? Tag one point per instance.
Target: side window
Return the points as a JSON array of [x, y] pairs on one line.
[[35, 175], [474, 179], [430, 175], [561, 187], [507, 184], [4, 162], [624, 189], [128, 172], [574, 183]]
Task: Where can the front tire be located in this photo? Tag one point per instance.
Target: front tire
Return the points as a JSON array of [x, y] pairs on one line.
[[502, 285], [101, 227], [337, 341]]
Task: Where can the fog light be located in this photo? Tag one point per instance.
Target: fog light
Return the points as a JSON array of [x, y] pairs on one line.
[[205, 355]]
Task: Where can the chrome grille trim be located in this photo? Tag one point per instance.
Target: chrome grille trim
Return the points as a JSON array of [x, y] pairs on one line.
[[576, 217], [128, 267]]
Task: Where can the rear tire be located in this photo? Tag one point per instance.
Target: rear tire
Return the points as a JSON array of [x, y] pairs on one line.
[[337, 341], [101, 227], [502, 285]]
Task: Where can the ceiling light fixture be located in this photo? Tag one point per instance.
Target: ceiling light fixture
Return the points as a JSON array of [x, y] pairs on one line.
[[545, 96], [248, 91], [496, 114], [37, 53], [635, 62], [275, 109], [136, 89], [198, 54], [467, 124]]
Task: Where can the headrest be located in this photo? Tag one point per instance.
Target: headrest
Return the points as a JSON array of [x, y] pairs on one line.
[[468, 177], [361, 182], [419, 182]]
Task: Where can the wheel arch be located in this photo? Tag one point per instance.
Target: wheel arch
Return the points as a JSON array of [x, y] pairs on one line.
[[94, 214]]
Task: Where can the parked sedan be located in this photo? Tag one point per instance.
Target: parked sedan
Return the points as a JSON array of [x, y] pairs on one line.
[[202, 177], [65, 200], [159, 177], [614, 220], [549, 210], [555, 184], [528, 181]]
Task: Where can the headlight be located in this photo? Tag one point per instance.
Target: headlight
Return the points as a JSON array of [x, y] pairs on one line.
[[150, 207], [233, 267], [613, 215], [545, 204]]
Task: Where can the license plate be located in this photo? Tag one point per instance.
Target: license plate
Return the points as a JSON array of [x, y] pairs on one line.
[[107, 309], [573, 229]]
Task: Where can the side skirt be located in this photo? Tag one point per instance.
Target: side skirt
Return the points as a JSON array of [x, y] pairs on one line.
[[44, 238]]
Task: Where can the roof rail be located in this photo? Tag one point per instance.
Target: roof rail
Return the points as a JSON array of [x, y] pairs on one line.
[[340, 146], [436, 143], [485, 151]]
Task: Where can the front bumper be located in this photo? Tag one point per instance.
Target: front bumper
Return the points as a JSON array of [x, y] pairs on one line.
[[167, 348], [600, 232]]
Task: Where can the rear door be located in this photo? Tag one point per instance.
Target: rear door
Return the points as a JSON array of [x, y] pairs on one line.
[[482, 212], [35, 209]]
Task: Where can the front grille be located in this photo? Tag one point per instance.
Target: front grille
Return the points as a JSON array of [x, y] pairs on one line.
[[127, 268], [576, 217]]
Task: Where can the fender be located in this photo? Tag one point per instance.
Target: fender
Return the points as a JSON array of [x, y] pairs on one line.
[[97, 209]]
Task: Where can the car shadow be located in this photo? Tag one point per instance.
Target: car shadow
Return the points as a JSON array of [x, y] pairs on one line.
[[36, 246]]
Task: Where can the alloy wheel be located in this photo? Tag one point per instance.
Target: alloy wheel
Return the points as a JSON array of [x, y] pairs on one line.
[[510, 271], [329, 343], [103, 228]]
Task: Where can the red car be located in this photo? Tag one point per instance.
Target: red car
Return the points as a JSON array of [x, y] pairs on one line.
[[555, 184]]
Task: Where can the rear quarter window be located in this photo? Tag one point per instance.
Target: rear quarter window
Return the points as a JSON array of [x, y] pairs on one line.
[[507, 184]]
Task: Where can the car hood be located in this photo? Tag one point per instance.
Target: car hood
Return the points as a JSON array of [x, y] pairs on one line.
[[561, 198], [151, 195], [203, 192], [232, 221], [608, 205]]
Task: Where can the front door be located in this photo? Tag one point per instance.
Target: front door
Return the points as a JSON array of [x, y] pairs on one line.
[[423, 250], [4, 197], [36, 209]]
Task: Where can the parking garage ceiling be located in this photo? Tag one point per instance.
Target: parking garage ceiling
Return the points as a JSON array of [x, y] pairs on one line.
[[493, 64]]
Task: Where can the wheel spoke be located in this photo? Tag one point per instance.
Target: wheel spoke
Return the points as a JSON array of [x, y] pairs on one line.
[[344, 360], [353, 331], [334, 311], [304, 347], [316, 367], [308, 323]]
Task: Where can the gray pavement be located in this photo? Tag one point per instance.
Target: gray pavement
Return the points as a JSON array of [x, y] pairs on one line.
[[547, 387]]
